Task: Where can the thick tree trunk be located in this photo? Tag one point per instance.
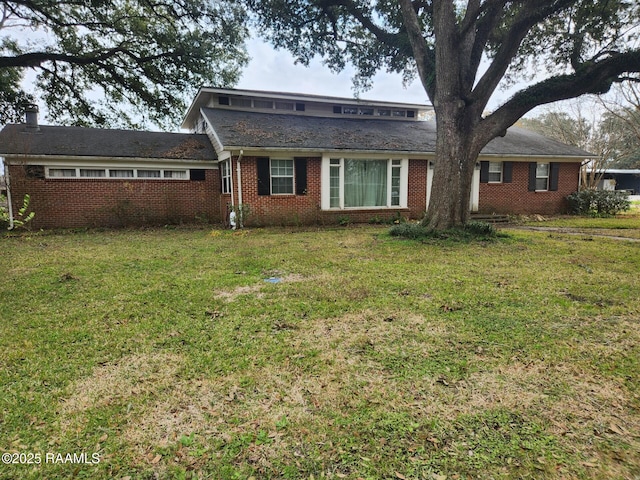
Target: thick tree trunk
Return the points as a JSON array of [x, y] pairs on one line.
[[456, 157]]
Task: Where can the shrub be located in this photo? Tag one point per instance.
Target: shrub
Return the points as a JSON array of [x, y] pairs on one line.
[[469, 232], [20, 219], [481, 229], [412, 231], [598, 202]]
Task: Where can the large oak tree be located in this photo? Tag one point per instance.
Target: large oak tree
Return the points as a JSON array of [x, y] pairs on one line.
[[463, 51], [117, 62]]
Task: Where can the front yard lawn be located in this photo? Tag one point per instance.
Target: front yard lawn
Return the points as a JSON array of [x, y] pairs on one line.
[[167, 355]]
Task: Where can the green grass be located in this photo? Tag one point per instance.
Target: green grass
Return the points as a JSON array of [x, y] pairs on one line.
[[166, 352]]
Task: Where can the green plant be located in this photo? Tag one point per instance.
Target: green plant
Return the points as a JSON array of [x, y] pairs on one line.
[[598, 202], [412, 231], [480, 229], [242, 213], [21, 219], [344, 220]]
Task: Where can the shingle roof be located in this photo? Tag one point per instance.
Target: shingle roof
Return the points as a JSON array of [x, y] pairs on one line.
[[238, 129], [97, 142]]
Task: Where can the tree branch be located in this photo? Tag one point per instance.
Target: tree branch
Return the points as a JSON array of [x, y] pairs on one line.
[[531, 14], [594, 78], [424, 56]]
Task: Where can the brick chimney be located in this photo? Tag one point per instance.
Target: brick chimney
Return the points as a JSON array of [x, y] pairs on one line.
[[31, 116]]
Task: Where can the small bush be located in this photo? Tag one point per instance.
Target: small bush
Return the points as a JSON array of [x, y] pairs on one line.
[[598, 202], [481, 229], [413, 231], [20, 219]]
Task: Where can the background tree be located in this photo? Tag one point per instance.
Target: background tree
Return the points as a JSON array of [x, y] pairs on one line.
[[608, 126], [622, 118], [117, 62], [463, 51]]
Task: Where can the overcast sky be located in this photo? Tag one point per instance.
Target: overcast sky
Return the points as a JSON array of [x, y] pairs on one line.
[[276, 70]]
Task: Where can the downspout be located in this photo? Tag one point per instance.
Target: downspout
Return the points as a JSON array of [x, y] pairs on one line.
[[7, 180], [238, 172]]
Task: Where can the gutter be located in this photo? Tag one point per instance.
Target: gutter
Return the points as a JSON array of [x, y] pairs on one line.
[[8, 181]]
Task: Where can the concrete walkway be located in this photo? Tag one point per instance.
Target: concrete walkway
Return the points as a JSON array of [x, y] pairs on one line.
[[568, 231]]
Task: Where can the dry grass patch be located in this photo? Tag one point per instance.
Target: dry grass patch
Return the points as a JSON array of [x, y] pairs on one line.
[[232, 295], [133, 376]]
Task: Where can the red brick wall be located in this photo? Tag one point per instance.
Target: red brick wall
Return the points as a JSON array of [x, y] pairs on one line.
[[514, 197], [278, 209], [306, 209], [417, 201], [65, 203]]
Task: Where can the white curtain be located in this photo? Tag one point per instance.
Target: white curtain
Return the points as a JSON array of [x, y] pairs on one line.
[[365, 183]]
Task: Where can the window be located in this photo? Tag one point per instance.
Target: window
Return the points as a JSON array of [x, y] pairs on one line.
[[116, 173], [62, 172], [366, 111], [350, 110], [398, 113], [263, 104], [284, 106], [334, 183], [495, 172], [364, 183], [225, 174], [395, 183], [241, 102], [92, 173], [542, 176], [121, 173], [148, 173], [384, 112], [176, 174], [281, 177]]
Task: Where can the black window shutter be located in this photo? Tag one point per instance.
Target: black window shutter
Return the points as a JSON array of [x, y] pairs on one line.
[[532, 176], [484, 172], [197, 175], [554, 171], [507, 172], [301, 175], [264, 176]]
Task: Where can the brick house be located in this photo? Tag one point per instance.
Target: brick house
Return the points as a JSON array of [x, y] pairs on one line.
[[287, 158]]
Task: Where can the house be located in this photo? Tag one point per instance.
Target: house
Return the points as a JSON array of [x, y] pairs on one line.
[[286, 158]]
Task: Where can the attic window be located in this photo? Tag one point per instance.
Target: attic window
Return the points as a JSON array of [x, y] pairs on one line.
[[411, 114], [350, 110], [241, 102], [337, 109], [366, 111], [384, 112], [398, 113], [300, 107], [223, 100], [284, 106], [263, 104]]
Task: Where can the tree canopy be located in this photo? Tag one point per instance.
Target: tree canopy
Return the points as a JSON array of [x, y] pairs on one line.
[[114, 62], [463, 51]]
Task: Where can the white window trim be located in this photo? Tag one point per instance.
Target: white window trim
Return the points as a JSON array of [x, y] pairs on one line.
[[325, 171], [293, 178], [501, 172], [108, 169], [547, 177], [226, 164]]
